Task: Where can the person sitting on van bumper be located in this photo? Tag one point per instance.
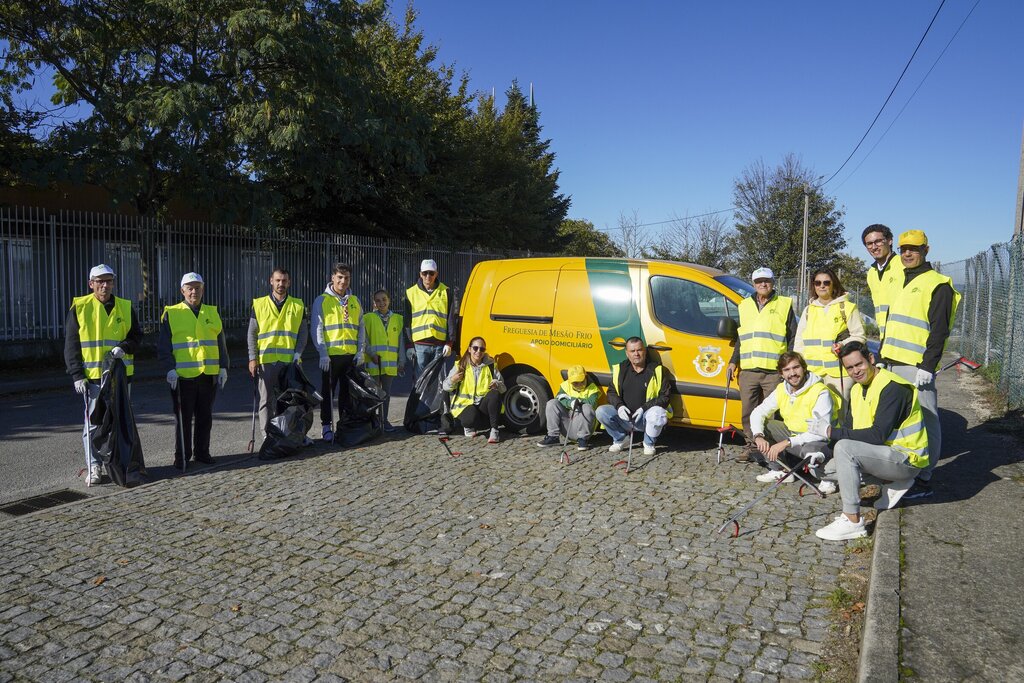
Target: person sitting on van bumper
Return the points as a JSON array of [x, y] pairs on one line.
[[801, 397], [476, 386], [572, 411], [638, 399]]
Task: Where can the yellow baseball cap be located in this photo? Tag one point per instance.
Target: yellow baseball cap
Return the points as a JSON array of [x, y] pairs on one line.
[[576, 373], [913, 238]]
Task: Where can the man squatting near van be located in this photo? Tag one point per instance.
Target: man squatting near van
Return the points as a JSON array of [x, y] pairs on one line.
[[572, 411], [767, 330], [800, 397], [638, 399], [340, 340]]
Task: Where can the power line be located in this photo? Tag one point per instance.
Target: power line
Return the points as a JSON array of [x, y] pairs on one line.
[[875, 120], [673, 220]]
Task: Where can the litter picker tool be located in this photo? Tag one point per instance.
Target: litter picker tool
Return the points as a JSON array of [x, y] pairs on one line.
[[255, 405], [723, 429], [734, 520], [628, 462], [969, 364], [444, 442], [577, 409], [88, 436], [181, 429]]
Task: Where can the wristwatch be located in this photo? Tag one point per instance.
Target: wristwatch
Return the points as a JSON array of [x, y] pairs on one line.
[[758, 436]]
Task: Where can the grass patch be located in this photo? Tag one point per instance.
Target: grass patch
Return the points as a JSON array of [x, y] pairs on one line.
[[840, 599]]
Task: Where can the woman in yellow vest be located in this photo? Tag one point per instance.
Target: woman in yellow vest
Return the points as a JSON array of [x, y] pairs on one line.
[[573, 411], [385, 337], [828, 321], [885, 437], [476, 387], [192, 349]]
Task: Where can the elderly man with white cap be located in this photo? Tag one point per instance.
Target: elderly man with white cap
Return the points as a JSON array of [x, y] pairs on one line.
[[429, 316], [192, 350], [767, 330], [98, 324]]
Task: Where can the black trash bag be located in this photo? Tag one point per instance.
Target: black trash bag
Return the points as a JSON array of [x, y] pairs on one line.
[[296, 402], [360, 419], [116, 442], [426, 402]]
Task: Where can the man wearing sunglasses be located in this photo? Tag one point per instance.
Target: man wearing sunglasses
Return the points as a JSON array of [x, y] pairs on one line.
[[885, 276], [429, 313]]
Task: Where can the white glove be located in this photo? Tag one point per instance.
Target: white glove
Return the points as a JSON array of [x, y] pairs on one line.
[[923, 377], [82, 386], [325, 363], [637, 414], [172, 379], [446, 350], [222, 378], [360, 360], [623, 413], [410, 354], [117, 352], [817, 459], [297, 358], [819, 426], [881, 365]]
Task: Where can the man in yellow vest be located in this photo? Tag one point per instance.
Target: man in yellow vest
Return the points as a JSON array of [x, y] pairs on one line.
[[885, 276], [339, 336], [385, 333], [767, 330], [277, 335], [802, 396], [98, 324], [572, 411], [193, 351], [429, 315], [885, 438], [920, 318], [638, 399]]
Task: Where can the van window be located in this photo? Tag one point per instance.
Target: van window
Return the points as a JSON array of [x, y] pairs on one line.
[[687, 306], [526, 297]]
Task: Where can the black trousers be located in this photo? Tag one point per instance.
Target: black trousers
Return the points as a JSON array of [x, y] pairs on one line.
[[335, 382], [483, 415], [194, 397]]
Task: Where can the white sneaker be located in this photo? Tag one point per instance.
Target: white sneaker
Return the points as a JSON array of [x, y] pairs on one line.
[[770, 476], [842, 529], [827, 487], [470, 433], [94, 476], [649, 449], [618, 445], [891, 494], [493, 438]]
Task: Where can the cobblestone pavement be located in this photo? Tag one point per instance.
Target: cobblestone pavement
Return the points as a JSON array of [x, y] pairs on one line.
[[395, 562]]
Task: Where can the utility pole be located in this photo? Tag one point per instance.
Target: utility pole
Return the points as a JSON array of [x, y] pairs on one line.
[[803, 255], [1018, 223]]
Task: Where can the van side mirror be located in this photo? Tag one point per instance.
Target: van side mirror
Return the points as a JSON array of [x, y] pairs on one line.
[[727, 328]]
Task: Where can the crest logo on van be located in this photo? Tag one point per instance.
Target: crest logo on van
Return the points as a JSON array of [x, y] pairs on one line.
[[708, 362]]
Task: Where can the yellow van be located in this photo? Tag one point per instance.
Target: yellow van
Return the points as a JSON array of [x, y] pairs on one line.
[[541, 315]]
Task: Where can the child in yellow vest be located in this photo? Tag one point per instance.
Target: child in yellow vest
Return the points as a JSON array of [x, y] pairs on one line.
[[385, 338]]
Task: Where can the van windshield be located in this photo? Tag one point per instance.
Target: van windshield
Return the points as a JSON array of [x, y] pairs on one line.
[[737, 285]]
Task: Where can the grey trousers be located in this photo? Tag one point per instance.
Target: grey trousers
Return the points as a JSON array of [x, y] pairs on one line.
[[755, 385], [929, 399], [577, 426], [856, 457], [266, 376], [776, 431], [385, 383]]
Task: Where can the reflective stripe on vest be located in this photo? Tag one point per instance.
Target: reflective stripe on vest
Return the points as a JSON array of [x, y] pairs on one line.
[[763, 332], [279, 329], [99, 332], [428, 317], [382, 342], [907, 327], [341, 331], [884, 288], [194, 339], [653, 386], [820, 332], [795, 411], [465, 396], [910, 437]]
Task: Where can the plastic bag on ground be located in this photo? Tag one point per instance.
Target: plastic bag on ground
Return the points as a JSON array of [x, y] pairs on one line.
[[360, 420], [295, 405], [426, 402], [116, 442]]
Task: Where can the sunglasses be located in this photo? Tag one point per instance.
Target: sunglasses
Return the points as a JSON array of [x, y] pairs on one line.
[[428, 272], [479, 349], [822, 283], [762, 282]]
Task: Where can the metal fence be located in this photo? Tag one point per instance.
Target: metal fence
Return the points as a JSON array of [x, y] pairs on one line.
[[989, 326], [789, 286], [45, 257]]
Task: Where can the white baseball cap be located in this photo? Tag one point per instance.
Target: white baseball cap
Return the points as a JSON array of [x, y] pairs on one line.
[[100, 270], [191, 277], [428, 264], [762, 273]]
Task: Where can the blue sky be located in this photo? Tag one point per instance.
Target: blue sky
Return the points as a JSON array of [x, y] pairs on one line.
[[658, 106]]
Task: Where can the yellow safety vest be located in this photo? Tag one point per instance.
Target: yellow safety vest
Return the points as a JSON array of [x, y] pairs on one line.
[[99, 332], [383, 342], [194, 339], [907, 327], [429, 313], [279, 329], [820, 332], [910, 437], [589, 392], [884, 288], [653, 386], [796, 411], [466, 393], [763, 332], [341, 325]]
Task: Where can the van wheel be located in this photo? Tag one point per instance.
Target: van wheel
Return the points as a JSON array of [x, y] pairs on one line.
[[524, 403]]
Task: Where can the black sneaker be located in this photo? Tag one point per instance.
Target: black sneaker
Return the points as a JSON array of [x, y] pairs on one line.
[[920, 489], [549, 441], [205, 459]]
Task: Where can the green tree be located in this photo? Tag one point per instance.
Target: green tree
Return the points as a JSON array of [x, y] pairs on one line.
[[769, 219], [580, 238]]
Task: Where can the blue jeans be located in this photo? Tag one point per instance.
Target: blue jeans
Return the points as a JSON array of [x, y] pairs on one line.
[[650, 423], [87, 427], [424, 354]]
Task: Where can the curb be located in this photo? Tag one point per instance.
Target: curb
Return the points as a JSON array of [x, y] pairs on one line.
[[879, 648]]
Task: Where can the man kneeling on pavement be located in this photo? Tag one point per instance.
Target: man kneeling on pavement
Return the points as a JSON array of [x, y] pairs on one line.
[[887, 440], [638, 399], [800, 399], [572, 411]]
